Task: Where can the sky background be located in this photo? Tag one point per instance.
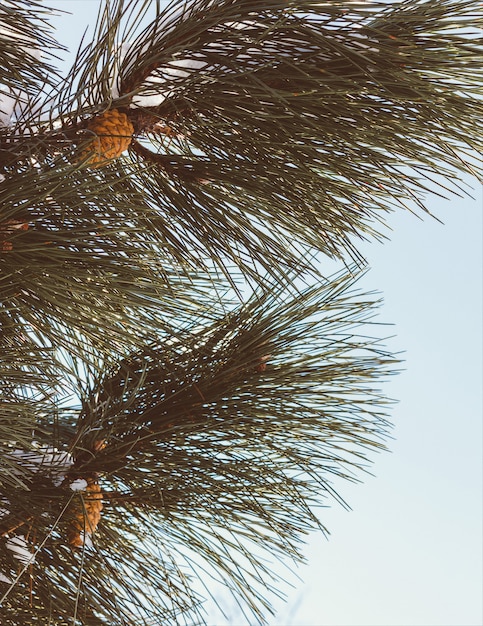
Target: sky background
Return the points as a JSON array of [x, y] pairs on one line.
[[410, 551]]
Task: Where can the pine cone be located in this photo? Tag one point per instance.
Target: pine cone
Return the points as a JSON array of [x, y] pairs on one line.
[[114, 133], [8, 228], [84, 514]]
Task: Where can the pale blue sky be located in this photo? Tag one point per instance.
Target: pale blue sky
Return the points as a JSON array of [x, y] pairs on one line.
[[410, 551]]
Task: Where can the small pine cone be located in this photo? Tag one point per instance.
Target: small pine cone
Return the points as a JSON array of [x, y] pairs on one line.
[[262, 363], [9, 227], [84, 514], [114, 134]]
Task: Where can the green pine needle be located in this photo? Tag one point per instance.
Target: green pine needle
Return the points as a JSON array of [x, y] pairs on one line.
[[216, 449]]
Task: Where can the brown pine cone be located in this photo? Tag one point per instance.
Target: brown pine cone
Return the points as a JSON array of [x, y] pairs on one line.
[[114, 133], [8, 228], [84, 513]]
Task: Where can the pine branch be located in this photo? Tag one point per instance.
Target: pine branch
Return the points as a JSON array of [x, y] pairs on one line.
[[142, 411], [224, 440], [26, 46], [261, 135]]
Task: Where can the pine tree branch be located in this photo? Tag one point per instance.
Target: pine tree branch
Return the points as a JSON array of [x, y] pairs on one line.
[[216, 438], [190, 144], [306, 122]]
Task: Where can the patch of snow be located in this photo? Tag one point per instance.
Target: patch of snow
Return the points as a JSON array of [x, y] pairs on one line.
[[5, 579], [10, 102], [18, 545], [48, 460], [78, 485], [86, 539]]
